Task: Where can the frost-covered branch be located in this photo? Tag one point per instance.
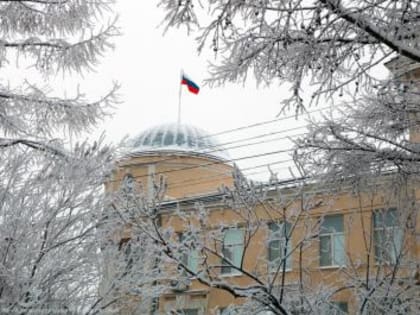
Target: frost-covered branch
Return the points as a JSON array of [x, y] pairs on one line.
[[370, 137], [33, 113], [253, 207], [329, 44], [51, 188]]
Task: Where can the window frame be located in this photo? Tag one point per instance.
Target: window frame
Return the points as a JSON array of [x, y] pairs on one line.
[[386, 232], [333, 236], [183, 311], [187, 257], [228, 270], [283, 240]]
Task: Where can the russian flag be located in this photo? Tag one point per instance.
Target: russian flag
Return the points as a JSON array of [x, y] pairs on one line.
[[192, 87]]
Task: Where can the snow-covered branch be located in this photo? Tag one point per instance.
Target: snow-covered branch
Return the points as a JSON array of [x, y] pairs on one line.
[[51, 188], [327, 43]]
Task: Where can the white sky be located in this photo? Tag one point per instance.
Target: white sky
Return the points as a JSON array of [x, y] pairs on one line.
[[148, 64]]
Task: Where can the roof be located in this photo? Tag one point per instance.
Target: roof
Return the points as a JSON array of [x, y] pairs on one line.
[[173, 137]]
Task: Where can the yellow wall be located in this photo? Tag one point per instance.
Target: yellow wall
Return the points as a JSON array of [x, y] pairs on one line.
[[185, 175], [188, 176], [357, 212]]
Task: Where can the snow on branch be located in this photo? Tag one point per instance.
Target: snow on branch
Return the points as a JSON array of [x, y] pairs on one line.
[[329, 44]]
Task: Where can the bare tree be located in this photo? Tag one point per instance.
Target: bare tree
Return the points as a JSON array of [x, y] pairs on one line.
[[369, 144], [328, 43], [252, 231], [50, 188], [265, 246]]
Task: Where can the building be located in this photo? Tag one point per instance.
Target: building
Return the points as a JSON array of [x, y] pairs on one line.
[[343, 251]]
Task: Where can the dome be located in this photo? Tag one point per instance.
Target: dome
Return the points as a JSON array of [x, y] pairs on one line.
[[175, 137]]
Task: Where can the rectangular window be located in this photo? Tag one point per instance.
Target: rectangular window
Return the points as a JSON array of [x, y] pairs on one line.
[[233, 248], [187, 311], [279, 246], [331, 241], [387, 235], [190, 256]]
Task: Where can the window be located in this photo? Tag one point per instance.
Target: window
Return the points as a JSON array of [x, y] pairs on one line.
[[180, 140], [190, 256], [331, 241], [389, 305], [169, 138], [227, 311], [233, 248], [157, 141], [387, 235], [338, 308], [128, 184], [279, 245], [187, 311]]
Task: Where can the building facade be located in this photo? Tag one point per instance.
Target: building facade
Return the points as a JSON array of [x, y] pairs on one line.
[[292, 247]]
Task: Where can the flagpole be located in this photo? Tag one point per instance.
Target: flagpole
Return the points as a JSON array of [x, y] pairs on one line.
[[179, 100]]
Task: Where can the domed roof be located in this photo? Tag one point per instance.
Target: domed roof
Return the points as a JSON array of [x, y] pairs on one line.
[[175, 137]]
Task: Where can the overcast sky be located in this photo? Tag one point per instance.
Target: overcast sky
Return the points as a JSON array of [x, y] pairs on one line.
[[147, 64]]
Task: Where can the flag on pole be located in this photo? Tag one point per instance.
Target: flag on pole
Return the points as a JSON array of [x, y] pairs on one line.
[[192, 87]]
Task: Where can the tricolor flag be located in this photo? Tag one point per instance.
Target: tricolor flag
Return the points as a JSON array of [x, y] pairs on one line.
[[192, 87]]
